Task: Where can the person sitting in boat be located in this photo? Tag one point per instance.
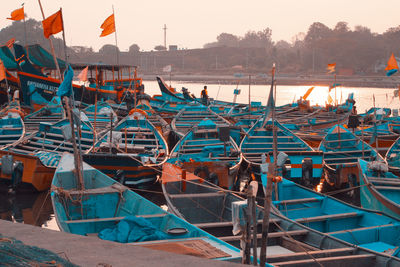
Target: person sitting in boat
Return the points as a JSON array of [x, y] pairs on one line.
[[204, 95]]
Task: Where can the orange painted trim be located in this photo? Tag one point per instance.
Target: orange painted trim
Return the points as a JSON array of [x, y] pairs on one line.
[[315, 166]]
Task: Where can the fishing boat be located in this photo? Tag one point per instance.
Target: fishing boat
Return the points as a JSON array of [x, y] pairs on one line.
[[365, 228], [209, 150], [379, 188], [12, 127], [132, 152], [192, 115], [299, 161], [101, 116], [169, 94], [342, 149], [31, 162], [290, 243], [393, 157], [99, 206], [51, 113]]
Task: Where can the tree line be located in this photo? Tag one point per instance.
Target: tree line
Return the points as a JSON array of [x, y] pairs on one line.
[[359, 50]]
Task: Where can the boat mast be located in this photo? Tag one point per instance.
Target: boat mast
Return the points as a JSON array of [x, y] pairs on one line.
[[270, 178]]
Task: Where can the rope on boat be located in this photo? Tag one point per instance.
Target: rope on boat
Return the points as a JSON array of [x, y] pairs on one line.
[[344, 190]]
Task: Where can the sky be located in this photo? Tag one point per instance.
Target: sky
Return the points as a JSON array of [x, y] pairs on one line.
[[191, 24]]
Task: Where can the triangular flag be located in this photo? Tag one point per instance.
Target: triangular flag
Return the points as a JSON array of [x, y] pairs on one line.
[[18, 14], [108, 26], [53, 24], [331, 68], [83, 75], [2, 71], [308, 93], [330, 100], [392, 66]]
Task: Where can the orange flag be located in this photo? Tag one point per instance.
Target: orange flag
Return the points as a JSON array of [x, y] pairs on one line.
[[108, 26], [2, 71], [83, 75], [18, 14], [53, 24], [308, 93], [331, 67]]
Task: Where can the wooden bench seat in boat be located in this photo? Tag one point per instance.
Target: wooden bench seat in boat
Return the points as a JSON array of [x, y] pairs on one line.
[[279, 148], [10, 128], [270, 143], [360, 229], [350, 152], [198, 195], [329, 216], [203, 145], [339, 259], [387, 187], [341, 140], [44, 147], [269, 137], [54, 141], [227, 224], [345, 159], [62, 137], [316, 254], [270, 235], [298, 201], [384, 181], [114, 218]]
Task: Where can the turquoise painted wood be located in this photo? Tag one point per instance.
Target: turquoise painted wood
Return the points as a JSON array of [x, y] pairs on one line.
[[12, 129], [104, 202], [137, 153], [362, 227], [380, 190], [259, 141], [393, 157]]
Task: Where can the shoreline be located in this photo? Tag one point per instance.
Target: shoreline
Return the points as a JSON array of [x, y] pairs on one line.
[[304, 80]]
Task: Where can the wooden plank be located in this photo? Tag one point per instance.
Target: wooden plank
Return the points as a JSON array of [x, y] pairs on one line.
[[351, 152], [387, 188], [226, 224], [341, 140], [199, 195], [96, 220], [316, 253], [270, 235], [361, 228], [298, 201], [340, 260], [329, 216]]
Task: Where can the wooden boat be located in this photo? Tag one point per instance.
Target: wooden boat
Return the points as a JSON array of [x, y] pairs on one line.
[[379, 188], [365, 228], [209, 151], [36, 156], [101, 203], [12, 128], [135, 153], [341, 151], [169, 94], [192, 115], [303, 164], [51, 113], [393, 157], [211, 208], [101, 115]]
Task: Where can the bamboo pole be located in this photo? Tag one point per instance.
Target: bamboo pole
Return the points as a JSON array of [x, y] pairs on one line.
[[52, 46], [268, 194]]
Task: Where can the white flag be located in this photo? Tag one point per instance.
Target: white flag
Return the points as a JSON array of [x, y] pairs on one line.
[[167, 68]]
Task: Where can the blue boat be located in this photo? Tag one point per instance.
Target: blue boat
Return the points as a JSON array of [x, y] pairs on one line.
[[393, 157], [379, 188], [101, 115], [365, 228], [209, 150], [103, 207], [51, 113], [342, 149], [299, 162], [36, 156], [192, 115], [220, 213], [134, 154], [12, 128]]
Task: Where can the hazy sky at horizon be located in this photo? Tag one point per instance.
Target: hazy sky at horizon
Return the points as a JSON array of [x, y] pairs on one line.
[[192, 24]]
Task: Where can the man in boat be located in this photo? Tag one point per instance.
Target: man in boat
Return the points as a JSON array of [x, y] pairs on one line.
[[204, 96]]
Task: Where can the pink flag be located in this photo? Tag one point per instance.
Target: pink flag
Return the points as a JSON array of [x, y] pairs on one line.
[[83, 75]]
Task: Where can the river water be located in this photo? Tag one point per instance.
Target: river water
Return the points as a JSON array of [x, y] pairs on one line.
[[36, 209]]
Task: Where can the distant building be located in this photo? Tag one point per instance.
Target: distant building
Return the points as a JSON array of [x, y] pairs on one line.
[[173, 47]]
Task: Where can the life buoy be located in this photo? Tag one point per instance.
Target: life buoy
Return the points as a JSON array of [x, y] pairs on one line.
[[22, 114]]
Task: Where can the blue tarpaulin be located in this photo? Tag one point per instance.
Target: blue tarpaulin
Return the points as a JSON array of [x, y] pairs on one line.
[[133, 229]]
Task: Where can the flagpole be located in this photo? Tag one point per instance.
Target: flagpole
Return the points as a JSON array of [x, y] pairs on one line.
[[8, 95], [26, 39], [116, 40], [335, 90], [65, 44], [52, 46]]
